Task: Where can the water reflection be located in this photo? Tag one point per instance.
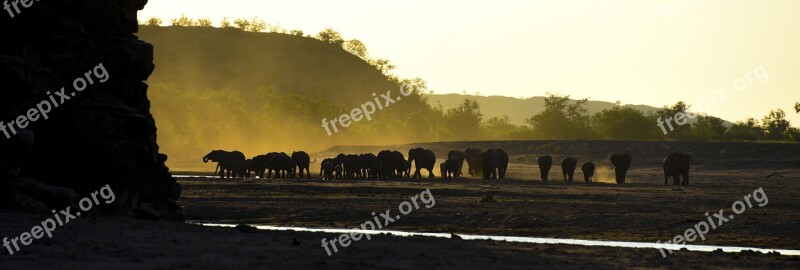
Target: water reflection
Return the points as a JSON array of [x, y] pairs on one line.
[[519, 239]]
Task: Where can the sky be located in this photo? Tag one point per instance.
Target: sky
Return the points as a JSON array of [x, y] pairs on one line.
[[734, 59]]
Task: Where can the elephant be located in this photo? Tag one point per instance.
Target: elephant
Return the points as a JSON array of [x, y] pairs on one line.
[[459, 157], [352, 166], [502, 164], [239, 168], [337, 169], [423, 159], [568, 168], [588, 171], [405, 168], [303, 162], [283, 165], [473, 157], [621, 165], [545, 163], [390, 164], [449, 168], [259, 165], [491, 162], [368, 164], [326, 169], [676, 165], [224, 159]]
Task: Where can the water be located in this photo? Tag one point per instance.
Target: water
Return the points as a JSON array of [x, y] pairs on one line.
[[520, 239]]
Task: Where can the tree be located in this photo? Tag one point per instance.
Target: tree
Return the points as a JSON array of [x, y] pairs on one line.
[[182, 21], [624, 123], [669, 119], [154, 21], [708, 128], [500, 128], [776, 125], [242, 24], [464, 122], [331, 36], [257, 25], [357, 48], [225, 23], [562, 118], [204, 22], [748, 130], [383, 65], [797, 107], [296, 32]]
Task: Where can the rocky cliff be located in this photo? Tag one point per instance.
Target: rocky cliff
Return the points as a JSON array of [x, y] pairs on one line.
[[82, 58]]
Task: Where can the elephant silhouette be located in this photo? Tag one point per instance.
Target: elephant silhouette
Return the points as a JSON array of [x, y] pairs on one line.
[[303, 162], [545, 163], [474, 163], [494, 163], [676, 165], [422, 159], [450, 169], [226, 162], [588, 171], [621, 163], [390, 164], [368, 166], [568, 168], [459, 157]]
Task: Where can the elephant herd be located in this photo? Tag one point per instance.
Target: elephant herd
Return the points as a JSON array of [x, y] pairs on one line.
[[235, 165], [489, 164]]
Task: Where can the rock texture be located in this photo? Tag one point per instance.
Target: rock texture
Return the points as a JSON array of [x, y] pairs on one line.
[[104, 135]]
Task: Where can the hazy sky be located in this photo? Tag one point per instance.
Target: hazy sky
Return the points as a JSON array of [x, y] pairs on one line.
[[653, 52]]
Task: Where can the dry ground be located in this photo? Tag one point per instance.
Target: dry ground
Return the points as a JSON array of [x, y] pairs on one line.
[[644, 210]]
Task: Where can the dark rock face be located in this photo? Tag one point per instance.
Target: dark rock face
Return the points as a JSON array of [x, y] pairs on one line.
[[102, 135]]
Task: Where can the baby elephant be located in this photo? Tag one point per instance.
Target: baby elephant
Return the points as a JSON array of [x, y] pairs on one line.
[[450, 169], [588, 171]]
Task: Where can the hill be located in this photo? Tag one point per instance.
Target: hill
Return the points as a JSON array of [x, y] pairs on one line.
[[517, 109], [217, 58]]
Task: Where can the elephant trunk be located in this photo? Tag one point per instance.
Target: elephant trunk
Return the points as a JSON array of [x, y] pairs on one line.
[[205, 159]]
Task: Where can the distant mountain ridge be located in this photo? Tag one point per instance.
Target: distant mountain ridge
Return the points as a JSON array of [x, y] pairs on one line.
[[517, 109]]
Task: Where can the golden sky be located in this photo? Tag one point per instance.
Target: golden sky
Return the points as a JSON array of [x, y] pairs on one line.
[[653, 52]]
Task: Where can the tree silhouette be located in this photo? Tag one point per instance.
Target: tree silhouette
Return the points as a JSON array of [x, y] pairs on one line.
[[776, 125], [296, 32], [154, 21], [464, 121], [748, 130], [383, 65], [183, 21], [562, 118], [257, 25], [225, 23], [797, 107], [708, 128], [357, 48], [331, 36], [669, 114], [242, 24], [623, 123], [204, 22]]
